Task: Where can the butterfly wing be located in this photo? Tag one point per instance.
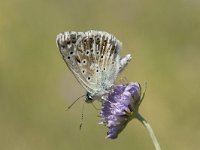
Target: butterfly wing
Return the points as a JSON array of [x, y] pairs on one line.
[[93, 57]]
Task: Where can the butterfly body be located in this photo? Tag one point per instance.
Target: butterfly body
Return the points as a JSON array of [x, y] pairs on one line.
[[93, 57]]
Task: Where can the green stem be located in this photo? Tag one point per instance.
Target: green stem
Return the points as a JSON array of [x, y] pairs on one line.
[[150, 130]]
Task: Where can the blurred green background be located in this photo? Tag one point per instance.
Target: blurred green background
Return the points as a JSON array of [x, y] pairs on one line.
[[36, 86]]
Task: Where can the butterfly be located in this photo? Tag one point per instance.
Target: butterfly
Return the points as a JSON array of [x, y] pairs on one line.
[[93, 57]]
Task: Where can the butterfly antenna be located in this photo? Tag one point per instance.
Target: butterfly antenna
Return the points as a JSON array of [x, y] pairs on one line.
[[66, 109], [82, 116]]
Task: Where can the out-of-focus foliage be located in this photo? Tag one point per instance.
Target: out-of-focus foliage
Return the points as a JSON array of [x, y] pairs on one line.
[[36, 86]]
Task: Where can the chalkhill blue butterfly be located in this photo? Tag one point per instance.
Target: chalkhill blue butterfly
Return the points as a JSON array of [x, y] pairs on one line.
[[93, 57]]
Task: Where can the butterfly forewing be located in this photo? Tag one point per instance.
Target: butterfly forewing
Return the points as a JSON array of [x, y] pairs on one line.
[[93, 57]]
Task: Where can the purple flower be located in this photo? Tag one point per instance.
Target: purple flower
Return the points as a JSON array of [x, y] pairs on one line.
[[120, 106]]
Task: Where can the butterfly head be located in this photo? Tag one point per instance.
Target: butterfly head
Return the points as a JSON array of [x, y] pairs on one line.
[[89, 98]]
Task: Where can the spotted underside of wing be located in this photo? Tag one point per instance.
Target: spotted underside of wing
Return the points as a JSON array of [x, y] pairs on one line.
[[92, 56]]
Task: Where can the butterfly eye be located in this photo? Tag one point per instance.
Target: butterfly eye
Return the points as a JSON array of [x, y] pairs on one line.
[[89, 78], [101, 56], [90, 98], [71, 53], [68, 57]]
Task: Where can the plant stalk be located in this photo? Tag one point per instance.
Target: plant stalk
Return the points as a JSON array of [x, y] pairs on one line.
[[150, 131]]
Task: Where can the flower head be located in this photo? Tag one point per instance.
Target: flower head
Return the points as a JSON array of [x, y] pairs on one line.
[[119, 107]]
